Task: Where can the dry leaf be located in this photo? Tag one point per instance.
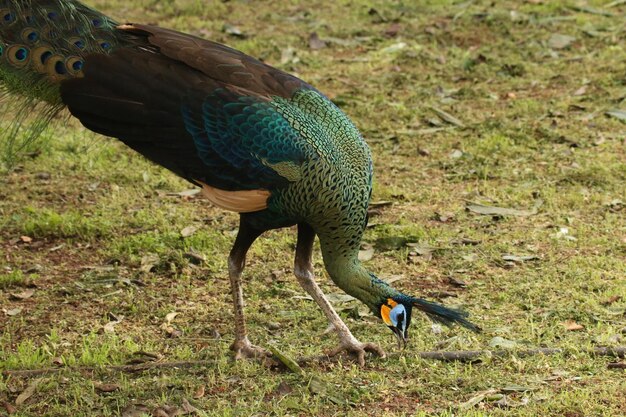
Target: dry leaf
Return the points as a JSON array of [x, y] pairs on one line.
[[171, 331], [366, 253], [392, 278], [148, 262], [502, 343], [617, 113], [170, 316], [392, 30], [517, 388], [160, 412], [335, 298], [189, 409], [12, 312], [382, 203], [444, 217], [136, 410], [457, 282], [320, 387], [500, 211], [423, 151], [233, 31], [9, 407], [447, 117], [106, 387], [571, 325], [283, 389], [559, 41], [188, 231], [109, 327], [186, 193], [22, 295], [28, 392], [315, 42], [195, 257], [581, 91], [476, 399], [516, 258], [199, 392], [612, 299]]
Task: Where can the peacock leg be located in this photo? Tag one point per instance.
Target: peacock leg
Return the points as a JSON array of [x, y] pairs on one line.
[[303, 269], [236, 263]]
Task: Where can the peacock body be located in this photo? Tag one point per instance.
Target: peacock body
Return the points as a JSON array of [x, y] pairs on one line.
[[257, 140]]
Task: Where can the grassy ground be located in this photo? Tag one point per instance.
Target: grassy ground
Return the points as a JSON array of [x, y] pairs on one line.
[[94, 263]]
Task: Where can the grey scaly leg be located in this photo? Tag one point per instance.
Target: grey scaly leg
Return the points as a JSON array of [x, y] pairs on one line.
[[303, 269], [236, 262]]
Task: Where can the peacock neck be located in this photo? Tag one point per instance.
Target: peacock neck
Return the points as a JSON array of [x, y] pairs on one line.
[[345, 269]]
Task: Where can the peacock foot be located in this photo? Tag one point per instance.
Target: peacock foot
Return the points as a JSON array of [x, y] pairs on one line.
[[357, 349], [245, 350]]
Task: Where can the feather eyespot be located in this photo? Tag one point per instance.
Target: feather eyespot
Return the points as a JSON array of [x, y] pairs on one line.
[[40, 57], [77, 42], [18, 55], [44, 56], [97, 22], [59, 68], [74, 64], [52, 15], [7, 17], [30, 35], [55, 67]]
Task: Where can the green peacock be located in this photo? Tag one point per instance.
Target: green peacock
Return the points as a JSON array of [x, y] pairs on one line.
[[258, 141]]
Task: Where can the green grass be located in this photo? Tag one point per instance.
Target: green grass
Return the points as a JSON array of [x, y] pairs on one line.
[[106, 225], [12, 279]]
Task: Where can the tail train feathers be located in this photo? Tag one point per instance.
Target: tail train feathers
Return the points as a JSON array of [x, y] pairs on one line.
[[42, 45], [42, 42], [444, 315]]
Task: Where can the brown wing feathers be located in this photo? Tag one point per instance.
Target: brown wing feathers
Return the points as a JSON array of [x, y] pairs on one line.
[[220, 63]]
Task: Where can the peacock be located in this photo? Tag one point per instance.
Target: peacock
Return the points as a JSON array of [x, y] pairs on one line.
[[258, 141]]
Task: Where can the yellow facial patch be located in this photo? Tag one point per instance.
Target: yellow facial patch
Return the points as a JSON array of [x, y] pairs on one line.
[[384, 313], [385, 309]]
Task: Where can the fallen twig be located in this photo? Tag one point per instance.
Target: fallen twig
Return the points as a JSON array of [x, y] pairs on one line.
[[474, 355], [114, 368], [460, 355], [617, 365]]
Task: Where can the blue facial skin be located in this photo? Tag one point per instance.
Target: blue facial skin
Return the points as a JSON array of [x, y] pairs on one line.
[[398, 318]]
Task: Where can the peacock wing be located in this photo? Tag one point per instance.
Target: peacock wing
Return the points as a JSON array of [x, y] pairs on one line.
[[204, 122]]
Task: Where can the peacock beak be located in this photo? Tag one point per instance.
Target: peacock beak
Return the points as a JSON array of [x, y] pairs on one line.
[[402, 337]]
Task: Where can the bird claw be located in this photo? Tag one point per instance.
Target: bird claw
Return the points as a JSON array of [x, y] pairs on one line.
[[358, 349], [245, 350]]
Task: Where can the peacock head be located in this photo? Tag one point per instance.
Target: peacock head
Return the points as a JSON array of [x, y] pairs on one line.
[[396, 309], [396, 313]]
